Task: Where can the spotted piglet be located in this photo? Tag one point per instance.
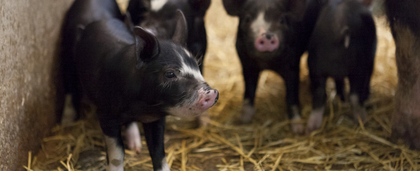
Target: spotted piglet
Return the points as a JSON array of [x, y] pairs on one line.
[[136, 77], [157, 16]]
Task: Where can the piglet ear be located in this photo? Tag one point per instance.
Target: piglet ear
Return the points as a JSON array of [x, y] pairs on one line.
[[200, 6], [181, 30], [233, 7], [147, 45]]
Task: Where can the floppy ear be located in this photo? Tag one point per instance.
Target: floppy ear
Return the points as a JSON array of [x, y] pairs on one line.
[[200, 6], [233, 7], [181, 30], [147, 45]]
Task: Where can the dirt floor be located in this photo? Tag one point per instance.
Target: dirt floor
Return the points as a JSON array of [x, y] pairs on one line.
[[265, 144]]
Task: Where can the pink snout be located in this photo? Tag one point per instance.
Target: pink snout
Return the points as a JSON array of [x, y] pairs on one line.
[[209, 99], [266, 42]]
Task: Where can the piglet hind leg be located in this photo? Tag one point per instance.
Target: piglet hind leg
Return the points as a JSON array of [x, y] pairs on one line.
[[296, 120], [154, 133], [357, 108], [359, 92], [340, 88], [132, 134], [318, 103]]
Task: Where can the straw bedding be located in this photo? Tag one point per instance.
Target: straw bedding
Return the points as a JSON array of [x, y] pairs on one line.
[[267, 143]]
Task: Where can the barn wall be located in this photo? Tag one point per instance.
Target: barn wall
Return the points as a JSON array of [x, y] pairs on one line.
[[29, 33]]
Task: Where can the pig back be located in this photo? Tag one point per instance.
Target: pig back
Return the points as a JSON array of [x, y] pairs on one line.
[[100, 53], [345, 35], [83, 12]]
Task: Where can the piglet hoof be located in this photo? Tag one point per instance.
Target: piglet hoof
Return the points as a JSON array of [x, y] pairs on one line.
[[133, 137], [297, 125], [358, 110], [203, 120], [246, 114], [398, 131], [69, 113], [90, 159], [314, 122], [359, 113], [406, 127]]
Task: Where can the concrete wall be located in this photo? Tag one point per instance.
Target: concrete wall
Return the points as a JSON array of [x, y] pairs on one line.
[[29, 33]]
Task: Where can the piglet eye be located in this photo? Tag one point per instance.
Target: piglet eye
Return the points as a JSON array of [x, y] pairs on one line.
[[169, 74]]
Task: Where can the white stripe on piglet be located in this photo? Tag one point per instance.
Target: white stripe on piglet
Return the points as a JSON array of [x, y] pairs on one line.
[[258, 24]]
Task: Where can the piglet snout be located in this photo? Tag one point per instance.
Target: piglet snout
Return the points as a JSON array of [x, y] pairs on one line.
[[209, 99], [266, 42]]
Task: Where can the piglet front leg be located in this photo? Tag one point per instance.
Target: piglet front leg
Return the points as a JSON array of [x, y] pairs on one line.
[[114, 144], [251, 74], [154, 133], [291, 79], [115, 153]]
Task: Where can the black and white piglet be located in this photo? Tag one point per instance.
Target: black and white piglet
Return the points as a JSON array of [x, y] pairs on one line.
[[343, 44], [157, 16], [80, 14], [139, 78], [269, 37]]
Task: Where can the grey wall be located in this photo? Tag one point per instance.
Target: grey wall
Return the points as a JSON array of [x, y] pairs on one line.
[[29, 33]]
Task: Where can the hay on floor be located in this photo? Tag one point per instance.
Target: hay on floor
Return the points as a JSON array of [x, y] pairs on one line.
[[267, 143]]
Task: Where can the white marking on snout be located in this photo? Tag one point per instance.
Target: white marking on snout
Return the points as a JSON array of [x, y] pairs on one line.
[[188, 108], [165, 166], [185, 110], [259, 23], [115, 154], [158, 4]]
